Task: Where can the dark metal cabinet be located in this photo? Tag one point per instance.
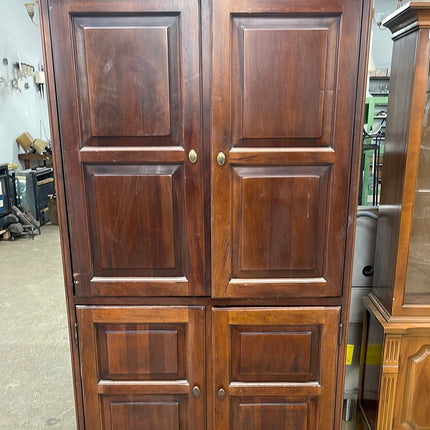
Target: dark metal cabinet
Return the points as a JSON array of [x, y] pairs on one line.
[[34, 186]]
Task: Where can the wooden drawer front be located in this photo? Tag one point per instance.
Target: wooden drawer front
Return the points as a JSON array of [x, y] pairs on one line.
[[277, 367], [140, 366]]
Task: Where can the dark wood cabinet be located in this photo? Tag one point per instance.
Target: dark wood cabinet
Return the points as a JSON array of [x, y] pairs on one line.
[[280, 200], [207, 158], [274, 367], [142, 366]]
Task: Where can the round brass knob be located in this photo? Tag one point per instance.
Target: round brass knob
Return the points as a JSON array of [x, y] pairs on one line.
[[220, 158], [192, 156], [196, 391], [221, 393]]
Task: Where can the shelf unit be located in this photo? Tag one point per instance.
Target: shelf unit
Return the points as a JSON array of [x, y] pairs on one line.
[[395, 382]]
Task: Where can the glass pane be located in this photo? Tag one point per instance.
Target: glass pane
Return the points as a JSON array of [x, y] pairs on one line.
[[417, 288]]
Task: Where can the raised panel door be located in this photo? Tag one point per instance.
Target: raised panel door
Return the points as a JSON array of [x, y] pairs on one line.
[[274, 368], [128, 78], [410, 397], [284, 80], [140, 365]]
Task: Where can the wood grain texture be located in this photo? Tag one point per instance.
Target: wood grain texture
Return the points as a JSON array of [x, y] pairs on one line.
[[135, 92], [394, 394], [282, 415], [152, 111], [245, 339], [280, 94], [285, 353], [263, 97], [132, 213], [404, 137], [141, 351], [144, 414], [393, 175], [415, 411], [278, 221], [115, 110], [125, 136], [132, 348]]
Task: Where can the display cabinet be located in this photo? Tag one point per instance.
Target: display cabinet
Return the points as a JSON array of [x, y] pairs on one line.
[[395, 388]]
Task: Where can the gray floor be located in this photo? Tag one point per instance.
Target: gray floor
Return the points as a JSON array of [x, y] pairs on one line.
[[35, 370]]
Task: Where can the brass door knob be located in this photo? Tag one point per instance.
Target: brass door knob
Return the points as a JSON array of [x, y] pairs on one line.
[[192, 156], [221, 393], [196, 391], [220, 158]]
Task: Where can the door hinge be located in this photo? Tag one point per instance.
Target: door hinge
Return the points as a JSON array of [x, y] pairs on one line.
[[341, 331], [75, 333]]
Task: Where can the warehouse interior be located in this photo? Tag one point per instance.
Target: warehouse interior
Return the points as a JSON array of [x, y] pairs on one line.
[[36, 386]]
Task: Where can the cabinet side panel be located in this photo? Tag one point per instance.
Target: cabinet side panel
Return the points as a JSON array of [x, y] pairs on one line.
[[399, 110]]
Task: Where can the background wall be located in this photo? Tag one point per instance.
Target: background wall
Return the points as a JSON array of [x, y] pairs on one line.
[[382, 44], [19, 111]]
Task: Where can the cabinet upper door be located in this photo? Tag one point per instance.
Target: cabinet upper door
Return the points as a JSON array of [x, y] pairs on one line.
[[284, 82], [127, 80]]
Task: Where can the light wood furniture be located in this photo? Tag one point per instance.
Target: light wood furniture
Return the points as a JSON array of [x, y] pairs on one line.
[[395, 390], [207, 160]]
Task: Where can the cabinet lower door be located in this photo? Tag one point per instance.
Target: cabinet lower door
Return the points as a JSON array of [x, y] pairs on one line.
[[274, 368], [142, 367]]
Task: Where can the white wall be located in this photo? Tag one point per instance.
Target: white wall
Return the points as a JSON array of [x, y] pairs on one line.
[[382, 44], [23, 111]]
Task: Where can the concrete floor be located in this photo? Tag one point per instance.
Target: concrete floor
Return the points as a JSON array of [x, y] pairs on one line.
[[36, 389]]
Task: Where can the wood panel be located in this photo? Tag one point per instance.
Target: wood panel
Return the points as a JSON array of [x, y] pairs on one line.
[[140, 366], [137, 219], [279, 216], [417, 391], [288, 355], [142, 414], [129, 114], [276, 70], [404, 54], [280, 360], [105, 78], [282, 95], [282, 413], [141, 351], [413, 394]]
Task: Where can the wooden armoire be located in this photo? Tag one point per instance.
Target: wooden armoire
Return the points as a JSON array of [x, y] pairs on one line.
[[206, 156]]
